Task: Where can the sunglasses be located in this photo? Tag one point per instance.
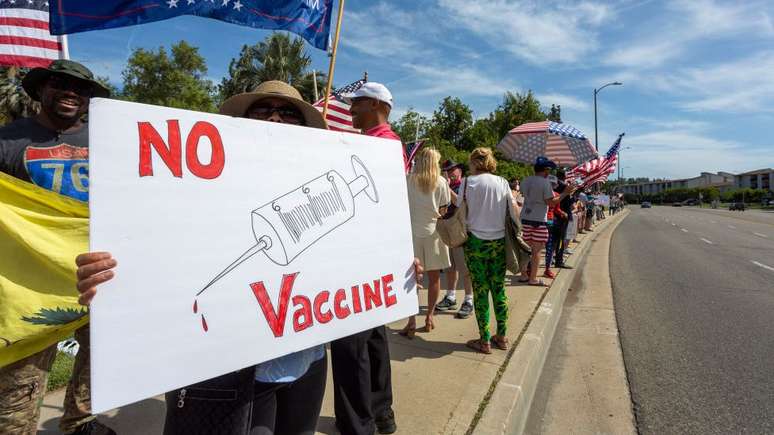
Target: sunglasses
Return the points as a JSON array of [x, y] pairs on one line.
[[80, 87], [287, 113]]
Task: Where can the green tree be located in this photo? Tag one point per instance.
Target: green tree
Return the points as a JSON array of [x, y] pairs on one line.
[[451, 120], [14, 102], [173, 80], [411, 125], [516, 109], [278, 57], [481, 134], [555, 114]]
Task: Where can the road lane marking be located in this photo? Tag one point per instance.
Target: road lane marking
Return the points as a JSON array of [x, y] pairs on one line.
[[732, 227], [761, 235], [714, 222], [763, 266], [683, 230], [674, 224], [707, 241]]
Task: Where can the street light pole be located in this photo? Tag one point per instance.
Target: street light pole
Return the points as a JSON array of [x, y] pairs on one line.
[[619, 162], [596, 91]]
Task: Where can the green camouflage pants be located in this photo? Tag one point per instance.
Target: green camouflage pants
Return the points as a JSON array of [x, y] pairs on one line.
[[23, 385], [486, 264]]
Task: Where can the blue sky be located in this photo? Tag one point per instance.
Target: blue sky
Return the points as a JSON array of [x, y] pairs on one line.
[[698, 75]]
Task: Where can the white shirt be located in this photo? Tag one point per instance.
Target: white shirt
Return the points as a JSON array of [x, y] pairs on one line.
[[424, 206], [488, 197]]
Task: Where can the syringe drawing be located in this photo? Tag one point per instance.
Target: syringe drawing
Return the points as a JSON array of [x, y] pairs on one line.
[[290, 224]]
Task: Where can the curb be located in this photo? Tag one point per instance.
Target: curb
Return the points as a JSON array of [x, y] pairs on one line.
[[508, 407]]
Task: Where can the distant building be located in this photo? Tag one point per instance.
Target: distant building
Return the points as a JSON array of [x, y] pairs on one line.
[[722, 181], [759, 179]]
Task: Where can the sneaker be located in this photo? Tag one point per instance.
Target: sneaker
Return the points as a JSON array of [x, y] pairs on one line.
[[92, 427], [465, 310], [386, 424], [446, 304], [549, 274], [569, 251]]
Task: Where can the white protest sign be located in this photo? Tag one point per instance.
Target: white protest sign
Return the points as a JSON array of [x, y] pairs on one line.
[[237, 241]]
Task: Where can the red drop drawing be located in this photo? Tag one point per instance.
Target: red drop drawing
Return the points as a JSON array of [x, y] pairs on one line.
[[196, 306], [204, 323]]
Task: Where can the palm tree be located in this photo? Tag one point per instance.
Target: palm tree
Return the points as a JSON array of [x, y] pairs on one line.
[[278, 57], [14, 102]]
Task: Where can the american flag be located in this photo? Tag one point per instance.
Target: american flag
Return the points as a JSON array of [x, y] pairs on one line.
[[338, 117], [25, 40], [411, 152], [597, 170]]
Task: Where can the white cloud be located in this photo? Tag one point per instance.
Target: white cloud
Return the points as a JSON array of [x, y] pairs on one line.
[[566, 101], [741, 85], [440, 81], [685, 23], [541, 33]]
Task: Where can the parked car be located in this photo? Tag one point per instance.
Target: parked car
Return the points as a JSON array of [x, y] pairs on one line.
[[692, 201], [646, 204], [739, 206], [677, 204]]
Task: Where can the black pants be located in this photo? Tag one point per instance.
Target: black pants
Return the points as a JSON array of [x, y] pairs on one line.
[[236, 404], [290, 407], [362, 381], [558, 231]]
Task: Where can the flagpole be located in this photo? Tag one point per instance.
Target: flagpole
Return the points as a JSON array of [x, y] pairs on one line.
[[314, 80], [333, 60]]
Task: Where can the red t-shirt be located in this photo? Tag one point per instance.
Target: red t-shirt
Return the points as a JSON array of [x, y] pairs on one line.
[[384, 130], [554, 210]]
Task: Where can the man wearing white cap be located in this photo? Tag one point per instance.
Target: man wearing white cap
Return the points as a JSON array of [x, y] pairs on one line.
[[371, 106], [362, 377]]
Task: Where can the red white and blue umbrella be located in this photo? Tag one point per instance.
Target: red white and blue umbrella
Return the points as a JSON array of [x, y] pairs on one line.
[[562, 143]]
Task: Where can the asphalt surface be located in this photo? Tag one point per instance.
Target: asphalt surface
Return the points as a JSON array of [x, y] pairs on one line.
[[694, 298]]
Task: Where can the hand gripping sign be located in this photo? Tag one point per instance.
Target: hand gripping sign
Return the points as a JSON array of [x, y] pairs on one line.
[[288, 225]]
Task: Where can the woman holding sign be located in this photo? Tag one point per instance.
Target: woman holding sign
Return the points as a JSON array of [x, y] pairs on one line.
[[281, 396]]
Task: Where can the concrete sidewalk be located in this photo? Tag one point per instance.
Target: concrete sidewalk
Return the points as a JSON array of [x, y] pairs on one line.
[[439, 385]]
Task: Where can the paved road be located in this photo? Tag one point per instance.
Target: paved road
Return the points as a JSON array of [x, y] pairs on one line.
[[694, 297]]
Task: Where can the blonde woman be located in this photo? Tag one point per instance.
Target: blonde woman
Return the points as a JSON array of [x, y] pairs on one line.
[[489, 200], [429, 195]]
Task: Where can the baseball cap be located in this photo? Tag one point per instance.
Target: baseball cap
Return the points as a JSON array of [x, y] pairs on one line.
[[374, 90], [544, 162]]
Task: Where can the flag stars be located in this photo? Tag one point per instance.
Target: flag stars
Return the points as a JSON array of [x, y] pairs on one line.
[[190, 2], [238, 5], [225, 2], [172, 3]]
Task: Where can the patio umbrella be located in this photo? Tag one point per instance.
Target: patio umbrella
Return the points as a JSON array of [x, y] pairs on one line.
[[564, 144]]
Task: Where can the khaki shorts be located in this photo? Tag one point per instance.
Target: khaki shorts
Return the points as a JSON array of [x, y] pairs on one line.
[[432, 252], [458, 259]]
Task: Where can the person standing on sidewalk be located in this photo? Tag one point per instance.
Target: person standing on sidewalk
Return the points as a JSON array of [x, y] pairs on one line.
[[538, 196], [554, 225], [489, 202], [428, 195], [564, 220], [454, 173], [64, 90], [362, 376]]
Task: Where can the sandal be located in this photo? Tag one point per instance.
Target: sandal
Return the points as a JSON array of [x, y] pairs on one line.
[[479, 346], [408, 331], [500, 342], [538, 283]]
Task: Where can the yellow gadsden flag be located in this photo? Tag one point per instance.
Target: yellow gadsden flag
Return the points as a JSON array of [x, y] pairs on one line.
[[41, 232]]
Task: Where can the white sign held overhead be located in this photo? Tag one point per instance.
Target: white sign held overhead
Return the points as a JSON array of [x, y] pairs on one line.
[[237, 241]]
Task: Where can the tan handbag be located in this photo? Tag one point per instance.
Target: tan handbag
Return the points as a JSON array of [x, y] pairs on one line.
[[452, 227]]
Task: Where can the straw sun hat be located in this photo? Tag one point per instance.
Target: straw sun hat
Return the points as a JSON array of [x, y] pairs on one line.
[[238, 104]]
